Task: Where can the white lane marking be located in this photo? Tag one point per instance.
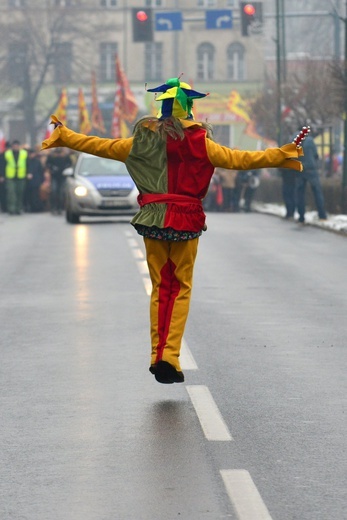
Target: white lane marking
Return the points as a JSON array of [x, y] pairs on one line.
[[133, 242], [244, 495], [148, 285], [143, 268], [137, 253], [210, 418], [187, 361]]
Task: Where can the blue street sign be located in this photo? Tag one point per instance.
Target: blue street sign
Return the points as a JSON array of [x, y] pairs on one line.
[[219, 19], [168, 21]]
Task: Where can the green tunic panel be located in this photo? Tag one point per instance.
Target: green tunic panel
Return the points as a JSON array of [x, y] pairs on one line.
[[151, 215], [149, 150]]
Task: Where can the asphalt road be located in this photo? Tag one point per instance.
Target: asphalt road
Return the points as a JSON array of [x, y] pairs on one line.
[[257, 431]]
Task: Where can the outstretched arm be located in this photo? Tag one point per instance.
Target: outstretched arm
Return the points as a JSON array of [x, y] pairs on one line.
[[284, 157], [109, 148]]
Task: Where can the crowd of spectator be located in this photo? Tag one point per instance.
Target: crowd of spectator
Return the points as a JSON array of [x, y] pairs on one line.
[[32, 181], [232, 191]]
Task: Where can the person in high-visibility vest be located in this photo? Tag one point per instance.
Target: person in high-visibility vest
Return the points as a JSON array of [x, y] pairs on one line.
[[171, 159], [16, 174]]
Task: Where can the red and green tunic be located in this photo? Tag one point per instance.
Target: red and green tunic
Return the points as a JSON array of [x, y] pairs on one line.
[[173, 176]]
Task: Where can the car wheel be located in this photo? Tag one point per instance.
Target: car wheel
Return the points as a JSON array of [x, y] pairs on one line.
[[72, 218]]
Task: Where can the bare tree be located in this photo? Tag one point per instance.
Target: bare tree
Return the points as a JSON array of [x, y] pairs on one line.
[[338, 81], [307, 98], [28, 48]]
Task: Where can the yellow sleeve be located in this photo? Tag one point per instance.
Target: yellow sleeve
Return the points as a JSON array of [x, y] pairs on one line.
[[284, 157], [109, 148]]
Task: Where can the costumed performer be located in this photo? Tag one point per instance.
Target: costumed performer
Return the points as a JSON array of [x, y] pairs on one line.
[[171, 159]]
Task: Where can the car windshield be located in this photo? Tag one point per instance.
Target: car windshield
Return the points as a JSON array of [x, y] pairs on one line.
[[97, 166]]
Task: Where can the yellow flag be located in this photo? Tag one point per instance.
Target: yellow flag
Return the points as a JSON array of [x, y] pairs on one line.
[[83, 116], [238, 106], [60, 112]]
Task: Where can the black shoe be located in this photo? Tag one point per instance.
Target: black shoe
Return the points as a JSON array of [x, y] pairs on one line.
[[165, 373]]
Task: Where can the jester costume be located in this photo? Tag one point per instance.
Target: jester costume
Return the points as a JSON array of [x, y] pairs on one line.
[[171, 159]]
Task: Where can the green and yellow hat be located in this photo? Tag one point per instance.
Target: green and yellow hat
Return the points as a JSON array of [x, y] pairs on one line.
[[177, 99]]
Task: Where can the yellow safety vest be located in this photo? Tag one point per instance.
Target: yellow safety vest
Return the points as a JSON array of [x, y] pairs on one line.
[[16, 170]]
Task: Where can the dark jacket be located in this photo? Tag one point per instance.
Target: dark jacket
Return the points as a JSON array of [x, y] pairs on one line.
[[310, 157], [56, 164]]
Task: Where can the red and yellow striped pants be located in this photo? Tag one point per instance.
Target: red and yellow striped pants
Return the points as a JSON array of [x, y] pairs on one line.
[[171, 266]]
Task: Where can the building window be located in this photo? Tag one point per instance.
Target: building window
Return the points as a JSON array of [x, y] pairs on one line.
[[236, 62], [62, 63], [108, 51], [153, 61], [231, 3], [154, 3], [108, 3], [63, 3], [205, 61], [16, 4], [207, 3], [17, 56]]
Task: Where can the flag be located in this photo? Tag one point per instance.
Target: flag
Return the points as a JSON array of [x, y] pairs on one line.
[[116, 118], [83, 116], [238, 106], [60, 111], [97, 119], [128, 104], [2, 141], [49, 130]]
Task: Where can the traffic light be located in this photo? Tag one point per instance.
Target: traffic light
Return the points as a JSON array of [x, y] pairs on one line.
[[142, 25], [251, 17]]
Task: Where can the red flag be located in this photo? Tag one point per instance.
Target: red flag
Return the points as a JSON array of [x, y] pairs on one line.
[[116, 119], [2, 141], [97, 119], [83, 116], [49, 130], [128, 105], [60, 111], [219, 195]]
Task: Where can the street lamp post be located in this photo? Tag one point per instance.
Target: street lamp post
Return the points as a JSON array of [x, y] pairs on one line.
[[279, 74], [344, 171]]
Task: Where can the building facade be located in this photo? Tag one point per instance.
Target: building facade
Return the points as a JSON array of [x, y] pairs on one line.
[[59, 43]]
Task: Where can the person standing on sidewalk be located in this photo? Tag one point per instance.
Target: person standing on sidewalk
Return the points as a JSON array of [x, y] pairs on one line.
[[309, 175], [289, 192]]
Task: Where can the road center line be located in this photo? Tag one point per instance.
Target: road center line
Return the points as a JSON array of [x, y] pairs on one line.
[[210, 418], [187, 361], [244, 495]]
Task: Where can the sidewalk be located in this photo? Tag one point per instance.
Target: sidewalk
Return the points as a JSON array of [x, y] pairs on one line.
[[337, 223]]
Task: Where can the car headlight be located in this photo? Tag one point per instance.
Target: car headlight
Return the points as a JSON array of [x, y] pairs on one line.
[[81, 191]]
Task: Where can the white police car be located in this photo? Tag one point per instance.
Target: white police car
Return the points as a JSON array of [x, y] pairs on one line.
[[99, 187]]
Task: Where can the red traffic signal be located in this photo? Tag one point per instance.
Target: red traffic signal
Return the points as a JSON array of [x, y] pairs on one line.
[[142, 24], [249, 9], [251, 17], [142, 16]]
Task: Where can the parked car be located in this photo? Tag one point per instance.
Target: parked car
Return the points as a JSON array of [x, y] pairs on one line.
[[99, 187]]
